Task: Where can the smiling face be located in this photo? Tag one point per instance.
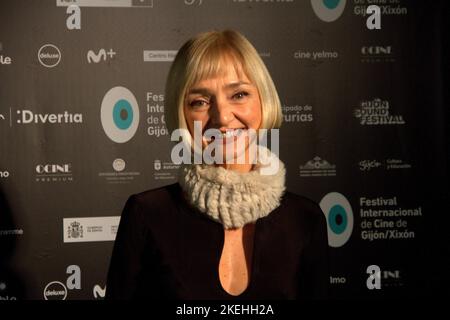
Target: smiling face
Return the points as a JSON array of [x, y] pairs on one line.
[[229, 102]]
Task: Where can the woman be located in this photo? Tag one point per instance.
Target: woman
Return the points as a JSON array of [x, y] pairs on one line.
[[225, 230]]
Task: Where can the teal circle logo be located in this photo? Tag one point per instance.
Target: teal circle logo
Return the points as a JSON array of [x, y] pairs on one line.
[[328, 10], [331, 4], [119, 114], [337, 219], [339, 215], [123, 114]]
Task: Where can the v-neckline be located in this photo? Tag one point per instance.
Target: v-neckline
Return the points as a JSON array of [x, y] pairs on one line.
[[253, 265]]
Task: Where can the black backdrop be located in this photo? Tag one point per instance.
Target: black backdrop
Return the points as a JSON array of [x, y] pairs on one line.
[[365, 129]]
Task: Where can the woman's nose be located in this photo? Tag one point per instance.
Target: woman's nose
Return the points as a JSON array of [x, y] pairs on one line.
[[221, 113]]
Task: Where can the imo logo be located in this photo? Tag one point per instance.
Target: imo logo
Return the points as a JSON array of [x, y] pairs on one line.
[[328, 10], [119, 114], [339, 215]]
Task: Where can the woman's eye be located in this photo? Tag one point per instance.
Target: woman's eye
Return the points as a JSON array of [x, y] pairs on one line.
[[198, 103], [240, 95]]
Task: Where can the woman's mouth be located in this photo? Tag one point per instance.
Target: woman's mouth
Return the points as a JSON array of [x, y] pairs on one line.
[[227, 136]]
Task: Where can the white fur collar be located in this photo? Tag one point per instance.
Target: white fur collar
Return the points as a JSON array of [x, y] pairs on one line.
[[233, 198]]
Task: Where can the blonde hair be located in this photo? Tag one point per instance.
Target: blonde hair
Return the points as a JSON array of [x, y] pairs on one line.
[[202, 57]]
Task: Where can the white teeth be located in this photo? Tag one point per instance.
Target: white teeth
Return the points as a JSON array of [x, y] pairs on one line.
[[231, 133], [228, 134]]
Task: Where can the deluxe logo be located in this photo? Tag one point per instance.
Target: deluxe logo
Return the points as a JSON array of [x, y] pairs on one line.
[[119, 114], [53, 168], [49, 55], [55, 290], [28, 116], [328, 10], [339, 215]]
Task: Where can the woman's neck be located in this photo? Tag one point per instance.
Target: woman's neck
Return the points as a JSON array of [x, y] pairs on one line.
[[247, 167]]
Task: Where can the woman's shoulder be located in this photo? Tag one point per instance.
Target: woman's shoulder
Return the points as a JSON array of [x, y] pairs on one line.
[[157, 195], [301, 207], [152, 201], [301, 201]]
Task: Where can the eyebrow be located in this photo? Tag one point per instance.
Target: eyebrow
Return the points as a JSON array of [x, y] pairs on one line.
[[230, 85]]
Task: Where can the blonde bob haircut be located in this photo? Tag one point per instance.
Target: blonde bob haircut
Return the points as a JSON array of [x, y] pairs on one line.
[[203, 57]]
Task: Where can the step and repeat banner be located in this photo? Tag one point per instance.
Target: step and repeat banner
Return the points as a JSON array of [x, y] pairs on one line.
[[363, 135]]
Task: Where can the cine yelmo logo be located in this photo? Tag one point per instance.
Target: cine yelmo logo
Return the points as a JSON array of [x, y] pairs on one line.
[[328, 10], [339, 215], [119, 114]]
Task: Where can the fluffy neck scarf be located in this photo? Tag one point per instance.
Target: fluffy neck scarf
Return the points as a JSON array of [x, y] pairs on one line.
[[233, 198]]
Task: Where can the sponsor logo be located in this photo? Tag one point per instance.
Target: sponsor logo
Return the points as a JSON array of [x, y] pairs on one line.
[[315, 57], [56, 290], [5, 60], [155, 115], [119, 114], [389, 164], [54, 172], [376, 112], [337, 280], [11, 232], [159, 55], [93, 57], [75, 230], [90, 229], [339, 216], [374, 279], [119, 165], [99, 292], [28, 117], [384, 219], [297, 113], [73, 21], [4, 174], [328, 10], [3, 291], [119, 175], [49, 55], [165, 170], [392, 9], [317, 167], [374, 54]]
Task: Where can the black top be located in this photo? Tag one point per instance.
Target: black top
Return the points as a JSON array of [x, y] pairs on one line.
[[167, 249]]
